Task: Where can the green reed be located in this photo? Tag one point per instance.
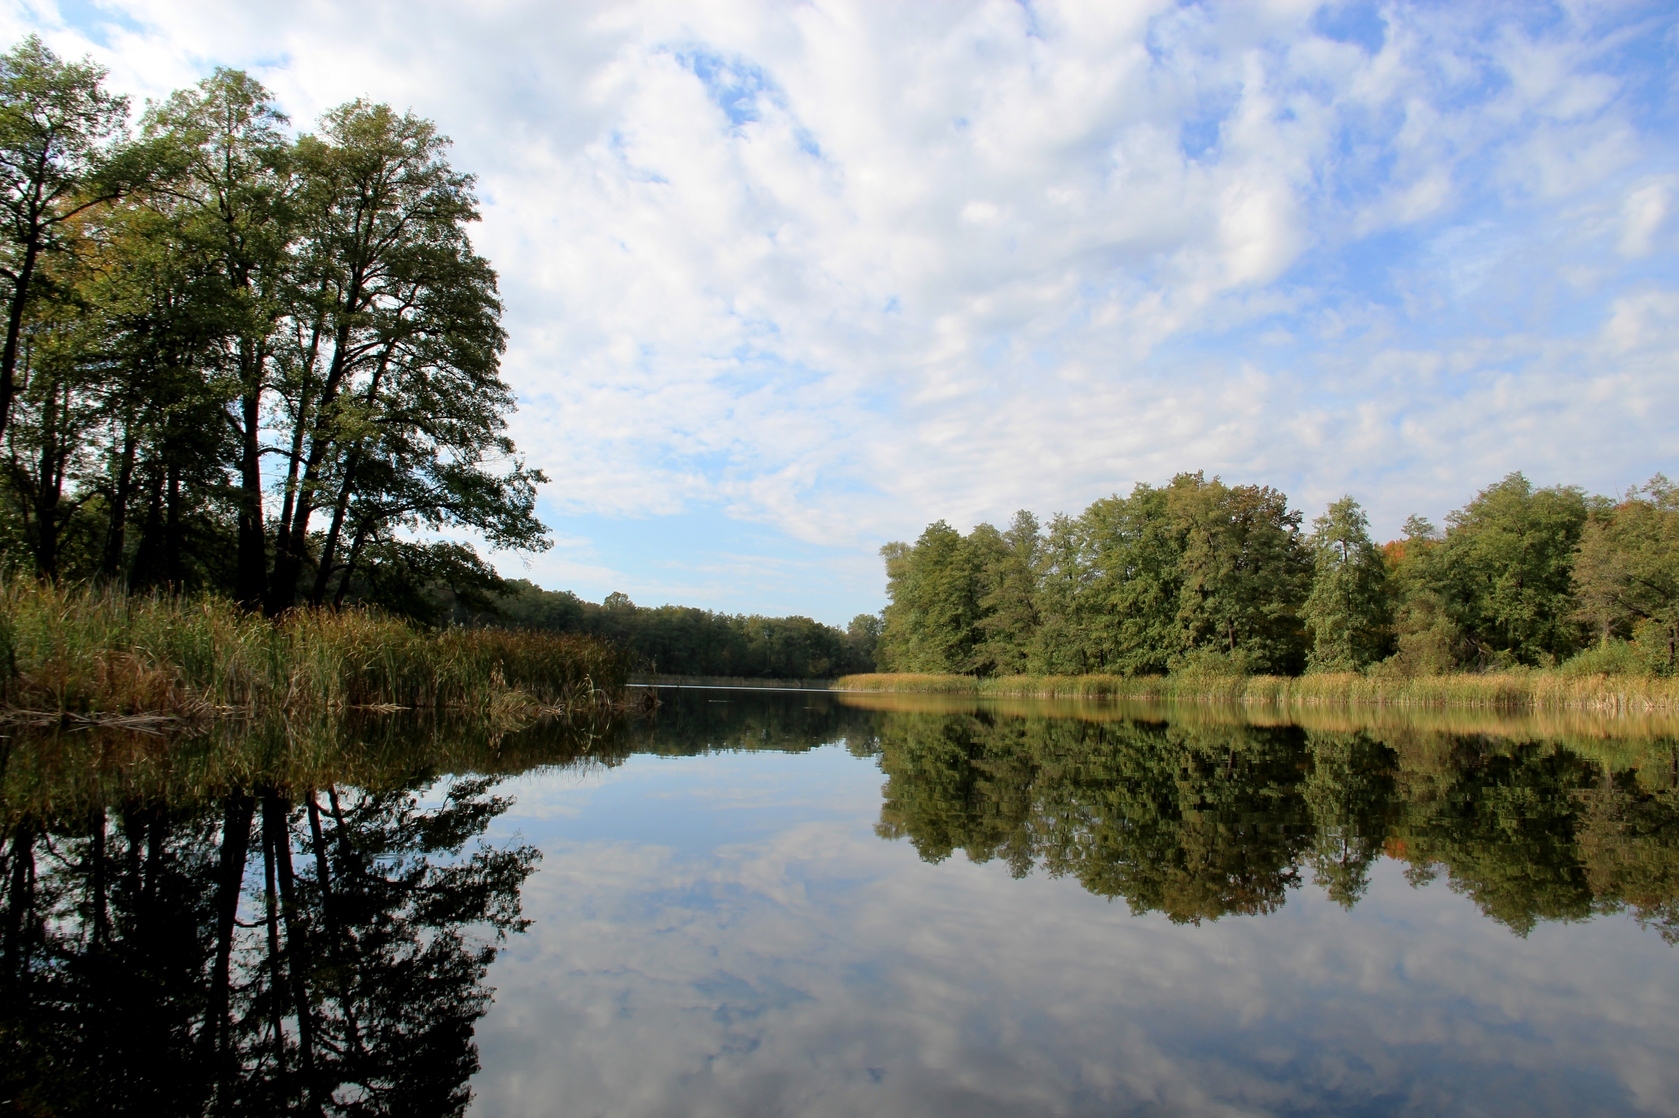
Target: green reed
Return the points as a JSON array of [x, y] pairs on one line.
[[1512, 690], [79, 651]]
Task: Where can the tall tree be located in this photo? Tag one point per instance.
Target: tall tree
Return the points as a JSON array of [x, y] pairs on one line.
[[1626, 572], [934, 587], [232, 195], [59, 129], [1350, 609], [1245, 572], [1135, 556], [1505, 570], [1008, 599], [48, 442], [395, 353]]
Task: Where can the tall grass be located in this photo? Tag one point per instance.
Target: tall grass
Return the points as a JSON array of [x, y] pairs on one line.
[[1516, 690], [83, 652]]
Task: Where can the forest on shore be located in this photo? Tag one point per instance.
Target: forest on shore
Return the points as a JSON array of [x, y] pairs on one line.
[[1199, 576], [266, 366], [686, 641], [243, 361]]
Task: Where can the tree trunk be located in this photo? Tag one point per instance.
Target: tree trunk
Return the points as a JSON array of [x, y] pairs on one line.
[[288, 561], [349, 567], [251, 573], [172, 571], [279, 591], [148, 553], [14, 322], [329, 548], [110, 565]]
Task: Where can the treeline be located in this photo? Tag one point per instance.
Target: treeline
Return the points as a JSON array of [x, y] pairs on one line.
[[241, 359], [683, 640], [1201, 576]]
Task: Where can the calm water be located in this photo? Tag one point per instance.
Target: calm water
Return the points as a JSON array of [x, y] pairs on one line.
[[779, 904]]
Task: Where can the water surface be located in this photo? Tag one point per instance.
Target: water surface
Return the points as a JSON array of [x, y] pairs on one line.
[[761, 903]]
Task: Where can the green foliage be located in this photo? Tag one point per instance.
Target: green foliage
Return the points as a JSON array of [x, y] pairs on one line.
[[1627, 578], [1350, 609], [1503, 572], [936, 588], [1199, 578], [1245, 572], [1008, 604], [1133, 585], [1134, 553], [681, 640], [246, 361]]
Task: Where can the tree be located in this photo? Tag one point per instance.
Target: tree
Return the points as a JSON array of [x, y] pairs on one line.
[[1626, 572], [1135, 555], [863, 634], [1350, 610], [232, 196], [1245, 573], [1008, 602], [1505, 571], [59, 132], [1428, 642], [392, 393], [1064, 603], [47, 441], [934, 588]]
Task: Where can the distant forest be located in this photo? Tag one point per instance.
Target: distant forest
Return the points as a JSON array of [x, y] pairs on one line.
[[682, 640], [1198, 575]]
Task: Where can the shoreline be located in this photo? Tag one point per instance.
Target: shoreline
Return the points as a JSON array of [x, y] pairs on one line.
[[1516, 690]]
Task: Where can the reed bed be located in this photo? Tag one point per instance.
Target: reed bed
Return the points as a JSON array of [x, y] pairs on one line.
[[77, 652], [1516, 690]]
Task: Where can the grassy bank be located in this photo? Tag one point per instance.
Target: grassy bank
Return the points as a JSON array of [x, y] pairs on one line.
[[1520, 690], [76, 652]]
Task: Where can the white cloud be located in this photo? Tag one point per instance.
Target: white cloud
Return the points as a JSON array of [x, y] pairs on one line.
[[842, 268], [1643, 212]]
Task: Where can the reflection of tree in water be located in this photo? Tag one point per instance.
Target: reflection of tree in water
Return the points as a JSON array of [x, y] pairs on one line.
[[1192, 823], [697, 720], [1199, 822], [323, 954]]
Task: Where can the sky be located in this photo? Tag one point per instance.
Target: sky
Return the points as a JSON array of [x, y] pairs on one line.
[[786, 281]]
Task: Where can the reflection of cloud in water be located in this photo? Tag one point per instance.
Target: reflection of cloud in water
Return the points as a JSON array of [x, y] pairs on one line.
[[816, 970]]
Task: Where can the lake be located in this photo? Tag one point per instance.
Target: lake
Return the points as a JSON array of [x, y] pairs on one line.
[[800, 903]]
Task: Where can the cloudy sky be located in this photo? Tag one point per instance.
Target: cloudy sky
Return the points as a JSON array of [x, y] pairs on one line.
[[785, 281]]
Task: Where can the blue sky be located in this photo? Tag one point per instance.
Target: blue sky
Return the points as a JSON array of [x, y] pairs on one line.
[[786, 281]]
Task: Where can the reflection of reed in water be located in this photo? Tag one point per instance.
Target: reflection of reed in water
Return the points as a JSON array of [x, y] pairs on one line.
[[1562, 724], [58, 772]]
